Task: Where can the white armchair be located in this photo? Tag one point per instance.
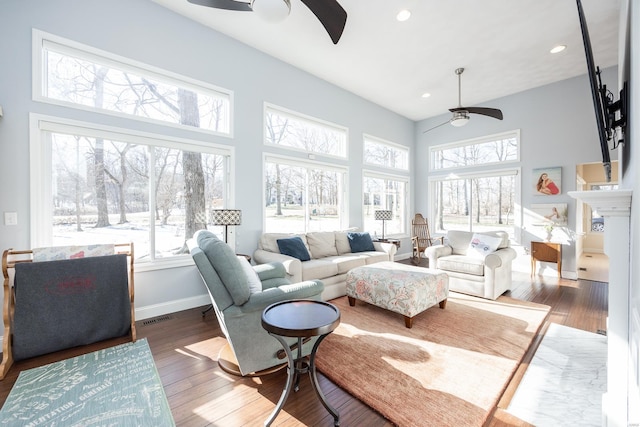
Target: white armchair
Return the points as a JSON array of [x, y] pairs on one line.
[[486, 277]]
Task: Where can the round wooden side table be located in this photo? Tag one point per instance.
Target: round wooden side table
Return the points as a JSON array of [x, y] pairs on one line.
[[301, 319]]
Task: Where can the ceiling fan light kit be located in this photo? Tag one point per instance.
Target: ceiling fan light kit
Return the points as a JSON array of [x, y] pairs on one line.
[[271, 10], [459, 120], [461, 114], [331, 15]]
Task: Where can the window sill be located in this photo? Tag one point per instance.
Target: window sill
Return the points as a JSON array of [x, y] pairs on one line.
[[162, 264]]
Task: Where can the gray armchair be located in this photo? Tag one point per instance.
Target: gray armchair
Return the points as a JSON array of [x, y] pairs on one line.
[[239, 294]]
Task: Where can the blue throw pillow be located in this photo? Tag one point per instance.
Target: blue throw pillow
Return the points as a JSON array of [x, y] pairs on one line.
[[360, 242], [294, 246]]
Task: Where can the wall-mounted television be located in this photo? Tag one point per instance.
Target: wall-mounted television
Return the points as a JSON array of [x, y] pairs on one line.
[[611, 115]]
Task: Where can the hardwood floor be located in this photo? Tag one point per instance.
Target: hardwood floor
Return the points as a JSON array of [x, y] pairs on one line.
[[185, 347]]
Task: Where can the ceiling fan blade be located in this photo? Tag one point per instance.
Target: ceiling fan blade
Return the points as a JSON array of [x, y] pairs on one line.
[[491, 112], [223, 4], [332, 16], [441, 124]]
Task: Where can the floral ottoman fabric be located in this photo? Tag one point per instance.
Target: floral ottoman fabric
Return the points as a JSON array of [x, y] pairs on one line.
[[401, 288]]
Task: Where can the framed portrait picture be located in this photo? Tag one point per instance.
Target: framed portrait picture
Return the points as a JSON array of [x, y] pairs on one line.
[[548, 213], [547, 181]]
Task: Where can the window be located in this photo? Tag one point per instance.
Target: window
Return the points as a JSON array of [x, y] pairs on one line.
[[382, 153], [476, 202], [76, 75], [104, 185], [484, 195], [482, 151], [296, 131], [303, 196], [384, 192]]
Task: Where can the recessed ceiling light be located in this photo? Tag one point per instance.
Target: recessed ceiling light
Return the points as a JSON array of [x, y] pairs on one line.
[[426, 95], [558, 48], [403, 15]]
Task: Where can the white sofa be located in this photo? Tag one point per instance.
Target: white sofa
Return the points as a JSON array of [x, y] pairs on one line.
[[331, 258], [470, 273]]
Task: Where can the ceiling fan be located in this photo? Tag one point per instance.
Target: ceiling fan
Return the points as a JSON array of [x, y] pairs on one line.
[[329, 12], [461, 114]]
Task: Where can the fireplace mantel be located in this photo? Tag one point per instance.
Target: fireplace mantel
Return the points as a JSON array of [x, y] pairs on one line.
[[615, 207]]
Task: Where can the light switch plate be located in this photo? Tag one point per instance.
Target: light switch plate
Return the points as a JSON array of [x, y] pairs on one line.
[[10, 218]]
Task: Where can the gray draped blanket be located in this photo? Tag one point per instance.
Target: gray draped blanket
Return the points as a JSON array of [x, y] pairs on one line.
[[68, 303]]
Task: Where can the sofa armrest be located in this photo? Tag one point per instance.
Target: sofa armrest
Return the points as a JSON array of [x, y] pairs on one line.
[[389, 248], [293, 266]]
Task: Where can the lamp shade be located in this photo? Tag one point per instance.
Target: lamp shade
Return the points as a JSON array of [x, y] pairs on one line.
[[383, 215], [226, 217]]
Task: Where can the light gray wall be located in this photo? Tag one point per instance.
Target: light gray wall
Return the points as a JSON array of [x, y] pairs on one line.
[[631, 180], [147, 32], [557, 128]]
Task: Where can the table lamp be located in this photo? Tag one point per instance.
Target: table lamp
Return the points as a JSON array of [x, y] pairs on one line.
[[383, 215], [226, 217]]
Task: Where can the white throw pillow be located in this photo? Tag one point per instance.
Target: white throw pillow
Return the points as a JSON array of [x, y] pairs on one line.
[[255, 285], [482, 245]]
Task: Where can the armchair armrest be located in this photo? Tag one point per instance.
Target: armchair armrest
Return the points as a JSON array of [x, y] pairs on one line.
[[293, 266], [310, 289], [500, 257], [434, 252], [270, 270]]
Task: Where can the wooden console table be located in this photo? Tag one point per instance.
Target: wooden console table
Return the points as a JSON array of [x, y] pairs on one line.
[[546, 252]]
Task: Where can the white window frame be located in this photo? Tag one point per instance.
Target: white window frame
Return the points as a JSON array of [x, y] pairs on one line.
[[393, 145], [41, 170], [484, 173], [293, 161], [367, 173], [40, 39], [474, 141], [304, 118]]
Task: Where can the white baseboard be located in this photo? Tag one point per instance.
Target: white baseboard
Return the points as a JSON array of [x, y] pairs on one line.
[[149, 311]]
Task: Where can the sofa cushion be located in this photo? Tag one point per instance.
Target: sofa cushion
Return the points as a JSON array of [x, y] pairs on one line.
[[293, 246], [461, 264], [226, 264], [255, 285], [360, 242], [318, 269], [348, 261], [322, 244], [482, 245], [342, 242], [373, 257]]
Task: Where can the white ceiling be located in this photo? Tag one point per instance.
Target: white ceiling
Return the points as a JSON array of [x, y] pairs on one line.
[[502, 44]]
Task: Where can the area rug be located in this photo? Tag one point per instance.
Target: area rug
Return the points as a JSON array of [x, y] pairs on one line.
[[115, 386], [449, 369]]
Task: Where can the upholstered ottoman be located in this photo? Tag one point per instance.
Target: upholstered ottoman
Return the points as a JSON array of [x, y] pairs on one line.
[[402, 288]]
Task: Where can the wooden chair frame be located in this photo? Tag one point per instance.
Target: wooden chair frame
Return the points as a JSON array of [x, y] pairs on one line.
[[12, 257], [421, 237]]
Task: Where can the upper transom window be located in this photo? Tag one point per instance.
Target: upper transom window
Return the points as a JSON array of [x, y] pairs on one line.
[[383, 153], [488, 150], [85, 77], [294, 130]]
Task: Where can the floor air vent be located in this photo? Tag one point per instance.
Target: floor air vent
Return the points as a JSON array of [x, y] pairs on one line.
[[156, 320], [602, 332]]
